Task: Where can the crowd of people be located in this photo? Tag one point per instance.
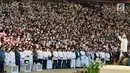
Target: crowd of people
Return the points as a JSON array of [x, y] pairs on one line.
[[52, 30], [16, 52]]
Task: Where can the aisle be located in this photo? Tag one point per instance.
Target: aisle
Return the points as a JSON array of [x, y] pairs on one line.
[[57, 71]]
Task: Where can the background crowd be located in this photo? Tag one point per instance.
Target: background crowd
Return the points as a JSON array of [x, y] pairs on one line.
[[90, 26]]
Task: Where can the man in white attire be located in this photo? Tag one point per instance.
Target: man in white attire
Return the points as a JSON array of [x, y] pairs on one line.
[[40, 55], [7, 56], [102, 56], [55, 59], [107, 57], [73, 57], [49, 60], [60, 56], [78, 54], [45, 57], [31, 57], [26, 54], [82, 57], [64, 58], [12, 57], [22, 56], [124, 44]]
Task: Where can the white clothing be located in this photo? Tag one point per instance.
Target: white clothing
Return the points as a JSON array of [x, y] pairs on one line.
[[7, 57], [68, 55], [49, 54], [64, 55], [97, 55], [40, 54], [45, 55], [60, 55], [55, 55], [102, 55], [73, 57], [78, 63], [49, 61], [26, 54], [31, 58], [107, 57], [92, 54], [124, 44], [49, 64], [12, 58], [82, 57], [22, 55], [87, 61]]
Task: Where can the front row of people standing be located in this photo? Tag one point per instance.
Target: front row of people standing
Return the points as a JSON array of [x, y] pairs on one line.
[[56, 59]]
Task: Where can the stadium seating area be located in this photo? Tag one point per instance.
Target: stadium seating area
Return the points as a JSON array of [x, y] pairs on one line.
[[94, 25]]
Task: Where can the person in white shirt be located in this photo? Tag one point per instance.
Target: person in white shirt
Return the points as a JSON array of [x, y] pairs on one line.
[[64, 58], [78, 62], [73, 57], [31, 57], [55, 59], [35, 55], [40, 55], [68, 58], [7, 56], [92, 55], [107, 57], [102, 56], [86, 58], [26, 54], [124, 44], [60, 58], [82, 57], [22, 57], [12, 57], [17, 57], [97, 56], [49, 60], [45, 57]]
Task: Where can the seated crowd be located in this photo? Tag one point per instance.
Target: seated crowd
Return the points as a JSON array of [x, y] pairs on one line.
[[60, 35]]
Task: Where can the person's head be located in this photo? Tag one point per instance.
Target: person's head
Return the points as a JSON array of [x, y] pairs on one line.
[[12, 49], [124, 36], [7, 50]]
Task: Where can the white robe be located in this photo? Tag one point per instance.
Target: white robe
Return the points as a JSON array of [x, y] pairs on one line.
[[102, 56], [107, 57], [49, 62], [73, 56], [87, 60], [92, 54], [12, 58], [40, 54], [31, 58], [27, 54], [7, 57], [78, 62], [97, 59], [82, 57], [55, 55], [22, 58], [124, 44]]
